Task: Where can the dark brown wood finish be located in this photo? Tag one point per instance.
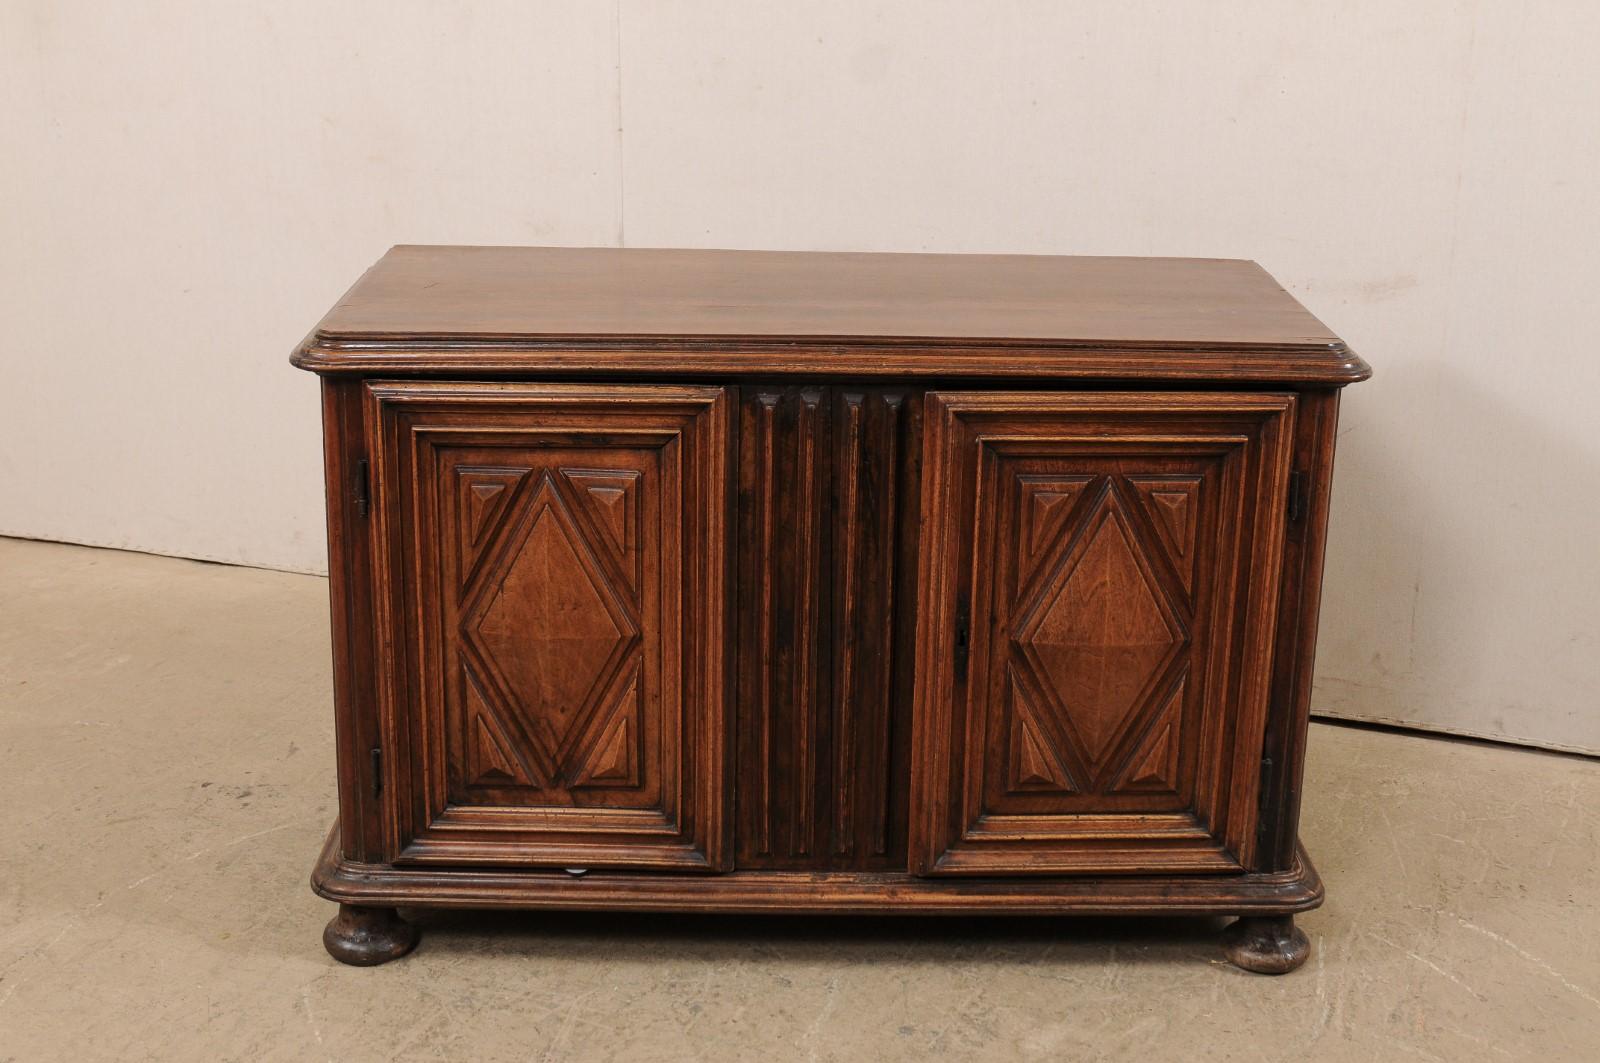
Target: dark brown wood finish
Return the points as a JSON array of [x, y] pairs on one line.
[[823, 490], [1269, 944], [878, 893], [549, 310], [827, 583], [1283, 756], [876, 495], [1098, 595], [367, 935], [555, 556], [355, 655], [785, 591]]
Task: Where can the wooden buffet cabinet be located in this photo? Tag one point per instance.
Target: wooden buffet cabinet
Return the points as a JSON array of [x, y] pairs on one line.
[[798, 582]]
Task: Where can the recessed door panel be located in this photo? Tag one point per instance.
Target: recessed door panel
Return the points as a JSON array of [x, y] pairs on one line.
[[558, 693], [1098, 580]]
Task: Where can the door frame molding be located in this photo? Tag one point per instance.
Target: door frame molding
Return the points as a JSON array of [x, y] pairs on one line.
[[950, 832], [403, 420]]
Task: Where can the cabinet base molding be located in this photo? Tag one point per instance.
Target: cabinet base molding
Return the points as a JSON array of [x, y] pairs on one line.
[[817, 892]]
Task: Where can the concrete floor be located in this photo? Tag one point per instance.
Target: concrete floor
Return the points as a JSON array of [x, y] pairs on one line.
[[166, 743]]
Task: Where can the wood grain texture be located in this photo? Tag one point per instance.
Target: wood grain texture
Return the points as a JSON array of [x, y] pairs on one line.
[[1266, 944], [506, 309], [783, 592], [356, 657], [874, 573], [878, 893], [820, 571], [840, 583], [847, 649], [1108, 714], [555, 555], [364, 936], [1284, 745]]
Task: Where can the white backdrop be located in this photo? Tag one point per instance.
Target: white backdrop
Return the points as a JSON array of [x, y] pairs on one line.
[[185, 186]]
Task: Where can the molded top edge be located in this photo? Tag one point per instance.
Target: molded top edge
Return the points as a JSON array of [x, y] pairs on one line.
[[433, 309]]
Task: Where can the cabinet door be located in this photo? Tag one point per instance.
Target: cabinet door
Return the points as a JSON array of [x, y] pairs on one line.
[[1098, 585], [554, 557]]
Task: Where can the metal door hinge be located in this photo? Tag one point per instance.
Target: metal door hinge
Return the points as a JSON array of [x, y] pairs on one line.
[[1263, 793], [362, 496], [1297, 496], [963, 640], [377, 772]]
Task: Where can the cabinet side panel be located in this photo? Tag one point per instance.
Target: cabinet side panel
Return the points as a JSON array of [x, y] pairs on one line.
[[1304, 547], [350, 595]]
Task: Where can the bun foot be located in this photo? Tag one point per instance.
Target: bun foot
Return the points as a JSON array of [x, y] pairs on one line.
[[1266, 944], [366, 937]]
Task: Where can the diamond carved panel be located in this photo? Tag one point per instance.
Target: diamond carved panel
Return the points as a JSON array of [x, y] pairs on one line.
[[613, 497], [482, 496], [1034, 762], [1043, 508], [1154, 766], [549, 630], [614, 759], [1172, 505], [1100, 632], [491, 758], [556, 599], [1117, 663]]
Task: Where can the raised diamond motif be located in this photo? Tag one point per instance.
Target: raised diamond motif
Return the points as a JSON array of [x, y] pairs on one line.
[[1045, 503], [1172, 503], [1101, 633], [1034, 763], [1154, 768], [545, 627]]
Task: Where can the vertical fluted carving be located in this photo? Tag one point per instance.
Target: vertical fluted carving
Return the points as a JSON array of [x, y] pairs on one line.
[[819, 486]]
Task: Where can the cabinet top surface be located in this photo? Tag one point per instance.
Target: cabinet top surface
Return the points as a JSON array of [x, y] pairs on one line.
[[440, 309]]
